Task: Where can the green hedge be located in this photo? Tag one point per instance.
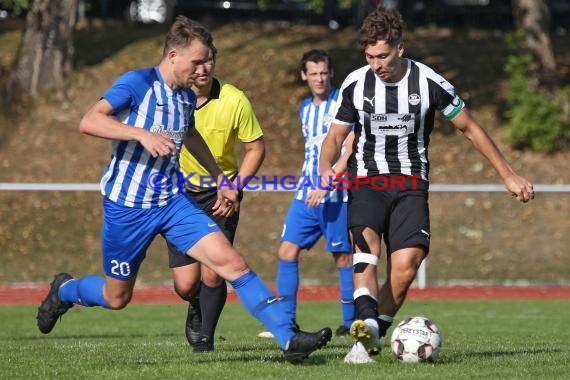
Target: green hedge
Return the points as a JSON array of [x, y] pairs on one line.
[[537, 120]]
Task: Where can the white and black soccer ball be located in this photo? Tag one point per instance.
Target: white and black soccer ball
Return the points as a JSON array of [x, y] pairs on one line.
[[416, 339]]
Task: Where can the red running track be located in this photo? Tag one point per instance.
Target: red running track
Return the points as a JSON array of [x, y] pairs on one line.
[[33, 293]]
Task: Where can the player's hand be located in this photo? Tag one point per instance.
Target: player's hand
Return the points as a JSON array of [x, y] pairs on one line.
[[328, 179], [519, 187], [315, 197], [227, 202], [225, 209], [158, 145]]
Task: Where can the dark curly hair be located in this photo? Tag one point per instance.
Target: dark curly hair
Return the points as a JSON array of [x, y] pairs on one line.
[[382, 24]]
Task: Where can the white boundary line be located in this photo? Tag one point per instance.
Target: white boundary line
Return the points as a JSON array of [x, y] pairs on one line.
[[422, 271], [36, 186]]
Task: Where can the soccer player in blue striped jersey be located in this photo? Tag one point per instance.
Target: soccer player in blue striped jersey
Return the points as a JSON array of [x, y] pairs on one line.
[[391, 102], [149, 114], [316, 211]]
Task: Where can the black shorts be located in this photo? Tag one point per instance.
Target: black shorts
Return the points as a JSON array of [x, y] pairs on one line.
[[400, 214], [205, 200]]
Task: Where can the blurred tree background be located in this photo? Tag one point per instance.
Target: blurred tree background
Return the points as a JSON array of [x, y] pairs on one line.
[[538, 109], [539, 105], [46, 53]]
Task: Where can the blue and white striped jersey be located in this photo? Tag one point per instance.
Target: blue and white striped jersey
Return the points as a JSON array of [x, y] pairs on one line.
[[142, 99], [315, 122]]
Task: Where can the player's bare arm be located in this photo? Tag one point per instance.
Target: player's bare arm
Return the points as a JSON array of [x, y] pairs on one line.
[[98, 122], [330, 152], [254, 154], [518, 186], [342, 163], [195, 144], [314, 197]]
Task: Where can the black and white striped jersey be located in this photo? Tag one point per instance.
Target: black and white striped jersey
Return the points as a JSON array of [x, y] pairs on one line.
[[393, 121]]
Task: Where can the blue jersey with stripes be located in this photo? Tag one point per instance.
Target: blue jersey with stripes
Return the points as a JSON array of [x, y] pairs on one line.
[[315, 123], [142, 99]]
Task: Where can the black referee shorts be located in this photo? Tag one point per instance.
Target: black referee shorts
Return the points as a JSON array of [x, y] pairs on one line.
[[399, 214], [205, 200]]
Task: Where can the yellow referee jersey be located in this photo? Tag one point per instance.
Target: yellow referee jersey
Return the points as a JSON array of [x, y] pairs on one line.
[[226, 117]]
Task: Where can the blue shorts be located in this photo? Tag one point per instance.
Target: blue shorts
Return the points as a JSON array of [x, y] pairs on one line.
[[127, 232], [304, 226]]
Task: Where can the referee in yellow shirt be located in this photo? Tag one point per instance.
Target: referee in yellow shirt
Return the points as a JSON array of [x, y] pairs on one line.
[[223, 115]]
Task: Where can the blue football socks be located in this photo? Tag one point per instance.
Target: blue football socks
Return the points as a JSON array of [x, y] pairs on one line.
[[287, 286], [263, 305], [346, 295], [86, 291]]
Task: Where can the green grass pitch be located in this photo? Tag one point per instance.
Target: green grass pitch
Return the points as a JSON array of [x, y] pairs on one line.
[[481, 340]]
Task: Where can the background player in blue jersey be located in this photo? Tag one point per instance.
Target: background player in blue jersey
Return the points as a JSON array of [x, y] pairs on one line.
[[148, 114], [391, 103], [316, 211]]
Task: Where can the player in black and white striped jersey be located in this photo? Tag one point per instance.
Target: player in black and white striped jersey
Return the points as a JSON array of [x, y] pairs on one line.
[[392, 103]]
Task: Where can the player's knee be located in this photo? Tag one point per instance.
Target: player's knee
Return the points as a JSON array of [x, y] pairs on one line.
[[228, 263], [234, 262], [405, 264], [117, 294], [186, 289], [288, 251], [186, 280], [408, 274], [119, 301], [211, 278], [361, 260], [404, 275]]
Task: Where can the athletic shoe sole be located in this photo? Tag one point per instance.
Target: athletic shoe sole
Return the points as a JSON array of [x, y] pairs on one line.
[[361, 332]]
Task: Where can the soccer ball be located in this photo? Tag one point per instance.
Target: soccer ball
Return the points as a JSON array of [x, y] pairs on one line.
[[416, 339]]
